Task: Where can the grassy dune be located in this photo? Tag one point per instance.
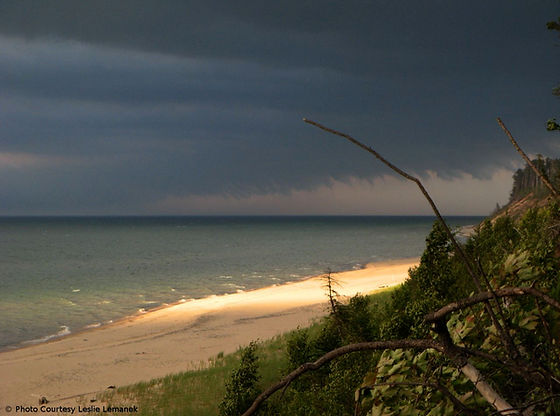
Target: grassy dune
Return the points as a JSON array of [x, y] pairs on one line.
[[199, 392]]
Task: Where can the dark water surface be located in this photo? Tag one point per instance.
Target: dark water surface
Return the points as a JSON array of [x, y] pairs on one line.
[[62, 274]]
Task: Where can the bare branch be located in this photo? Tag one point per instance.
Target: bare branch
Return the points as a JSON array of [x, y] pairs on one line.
[[456, 354], [531, 375], [527, 406], [417, 182], [484, 296], [529, 162], [421, 344], [505, 335], [446, 347], [458, 358], [332, 294], [486, 390]]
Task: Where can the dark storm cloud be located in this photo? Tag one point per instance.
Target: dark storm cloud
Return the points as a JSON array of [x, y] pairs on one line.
[[387, 37], [137, 100]]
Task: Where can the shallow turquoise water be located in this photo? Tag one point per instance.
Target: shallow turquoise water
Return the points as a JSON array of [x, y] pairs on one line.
[[59, 275]]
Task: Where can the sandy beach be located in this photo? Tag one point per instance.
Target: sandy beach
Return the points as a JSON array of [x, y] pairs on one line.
[[172, 339]]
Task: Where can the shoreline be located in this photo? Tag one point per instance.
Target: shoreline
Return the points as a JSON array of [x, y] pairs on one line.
[[141, 312], [174, 337]]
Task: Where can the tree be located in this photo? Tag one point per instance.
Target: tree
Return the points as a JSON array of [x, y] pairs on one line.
[[479, 346], [241, 388]]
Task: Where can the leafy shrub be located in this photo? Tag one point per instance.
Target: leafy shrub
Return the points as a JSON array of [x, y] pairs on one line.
[[507, 253], [241, 388]]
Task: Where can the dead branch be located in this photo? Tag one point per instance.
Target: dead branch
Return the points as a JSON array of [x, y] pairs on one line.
[[446, 347], [458, 358], [540, 377], [505, 337], [529, 162], [332, 294], [484, 296], [418, 183], [519, 367], [530, 374], [486, 390], [528, 406], [421, 344], [457, 355]]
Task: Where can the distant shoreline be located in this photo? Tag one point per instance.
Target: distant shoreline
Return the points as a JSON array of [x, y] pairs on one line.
[[173, 338], [64, 333], [68, 275]]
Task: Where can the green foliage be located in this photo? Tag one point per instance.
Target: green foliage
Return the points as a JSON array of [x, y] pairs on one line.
[[326, 391], [553, 25], [187, 393], [509, 253], [526, 181], [356, 320], [431, 285], [552, 124], [523, 252], [197, 392], [241, 388], [405, 383]]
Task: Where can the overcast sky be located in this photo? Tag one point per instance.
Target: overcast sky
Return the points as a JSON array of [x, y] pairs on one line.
[[196, 107]]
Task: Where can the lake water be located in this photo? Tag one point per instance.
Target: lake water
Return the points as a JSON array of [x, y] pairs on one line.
[[62, 274]]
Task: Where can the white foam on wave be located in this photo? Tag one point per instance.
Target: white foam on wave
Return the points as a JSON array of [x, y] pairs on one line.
[[75, 290], [466, 231], [95, 325], [233, 285], [64, 330]]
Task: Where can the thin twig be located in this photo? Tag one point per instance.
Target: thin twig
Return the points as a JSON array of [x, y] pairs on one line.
[[529, 162], [410, 178], [505, 335], [533, 403], [483, 296], [461, 361], [547, 331], [528, 373]]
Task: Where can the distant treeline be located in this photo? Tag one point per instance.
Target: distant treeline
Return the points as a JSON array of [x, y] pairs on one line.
[[526, 181]]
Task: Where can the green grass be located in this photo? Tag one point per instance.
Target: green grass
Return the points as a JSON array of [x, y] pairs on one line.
[[195, 392], [199, 392]]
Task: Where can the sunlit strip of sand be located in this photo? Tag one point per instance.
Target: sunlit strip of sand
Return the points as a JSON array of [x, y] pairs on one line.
[[174, 338]]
